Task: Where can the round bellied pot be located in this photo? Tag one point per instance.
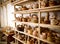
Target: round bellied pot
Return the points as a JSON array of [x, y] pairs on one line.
[[24, 8], [34, 18], [24, 19], [54, 22], [46, 20], [52, 3], [49, 37], [20, 18], [29, 30], [35, 5], [35, 33], [44, 35], [44, 3]]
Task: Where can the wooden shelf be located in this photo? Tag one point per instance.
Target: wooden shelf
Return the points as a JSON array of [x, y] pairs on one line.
[[42, 25], [18, 39], [29, 23], [26, 11], [50, 26], [34, 37], [52, 8], [45, 9], [18, 2], [38, 10], [47, 41]]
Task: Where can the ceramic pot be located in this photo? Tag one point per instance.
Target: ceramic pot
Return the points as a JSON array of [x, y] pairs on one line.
[[52, 2], [24, 8], [44, 3], [35, 5], [46, 20], [54, 22], [24, 19], [34, 19]]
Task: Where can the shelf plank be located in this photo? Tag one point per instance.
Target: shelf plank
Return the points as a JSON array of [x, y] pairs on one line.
[[42, 25], [49, 10], [58, 6], [18, 2], [26, 11], [45, 9], [18, 39], [29, 23], [52, 8], [46, 41], [50, 26]]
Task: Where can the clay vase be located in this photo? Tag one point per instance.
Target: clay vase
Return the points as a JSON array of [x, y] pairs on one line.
[[52, 2], [44, 3]]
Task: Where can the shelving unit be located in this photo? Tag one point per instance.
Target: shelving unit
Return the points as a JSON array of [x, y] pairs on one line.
[[37, 10]]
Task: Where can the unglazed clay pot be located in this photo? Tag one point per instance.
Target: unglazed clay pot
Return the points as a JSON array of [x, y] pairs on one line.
[[20, 27], [46, 20], [35, 33], [29, 30], [44, 35], [28, 19], [52, 2], [54, 22], [24, 19], [28, 42], [44, 3], [17, 18], [20, 18], [35, 5], [24, 8], [34, 19], [32, 41], [49, 37]]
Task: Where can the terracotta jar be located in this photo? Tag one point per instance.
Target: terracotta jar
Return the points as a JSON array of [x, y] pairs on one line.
[[28, 42], [32, 41], [29, 19], [24, 8], [20, 27], [19, 8], [46, 20], [35, 5], [44, 3], [35, 31], [42, 20], [49, 37], [20, 18], [44, 35], [52, 2], [17, 18], [24, 19], [57, 40], [54, 22], [30, 6], [29, 30], [34, 19]]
